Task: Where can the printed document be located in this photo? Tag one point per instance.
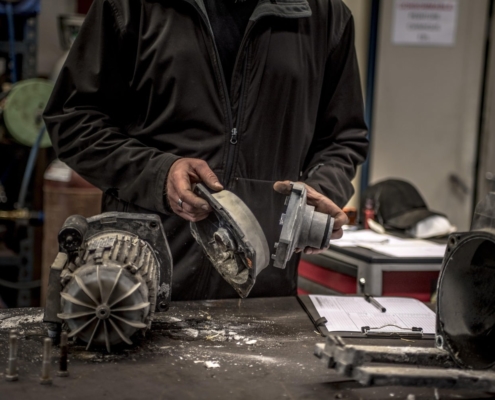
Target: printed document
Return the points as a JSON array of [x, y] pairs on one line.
[[350, 313]]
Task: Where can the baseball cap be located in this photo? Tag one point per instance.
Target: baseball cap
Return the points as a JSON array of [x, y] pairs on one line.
[[397, 204]]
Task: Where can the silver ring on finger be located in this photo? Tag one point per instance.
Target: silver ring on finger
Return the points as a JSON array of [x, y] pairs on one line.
[[179, 202]]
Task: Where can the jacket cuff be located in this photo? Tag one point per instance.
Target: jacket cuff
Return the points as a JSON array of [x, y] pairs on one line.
[[332, 181], [161, 202]]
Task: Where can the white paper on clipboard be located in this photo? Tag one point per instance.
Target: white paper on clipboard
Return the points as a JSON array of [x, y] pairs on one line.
[[349, 313]]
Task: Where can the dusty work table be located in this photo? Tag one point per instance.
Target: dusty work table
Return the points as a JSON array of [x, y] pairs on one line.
[[235, 349]]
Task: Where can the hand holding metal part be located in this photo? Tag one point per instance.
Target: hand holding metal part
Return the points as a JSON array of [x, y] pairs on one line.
[[232, 239], [323, 205], [183, 174], [235, 244], [303, 226]]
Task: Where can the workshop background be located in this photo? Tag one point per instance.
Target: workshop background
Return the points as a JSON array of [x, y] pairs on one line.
[[430, 106]]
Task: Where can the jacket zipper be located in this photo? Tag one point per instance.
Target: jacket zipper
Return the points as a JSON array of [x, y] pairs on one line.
[[234, 133]]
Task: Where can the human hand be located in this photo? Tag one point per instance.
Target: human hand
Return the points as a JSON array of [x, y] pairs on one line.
[[322, 204], [183, 174]]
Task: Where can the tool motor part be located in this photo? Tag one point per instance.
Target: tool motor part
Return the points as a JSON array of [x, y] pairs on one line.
[[114, 271], [232, 239], [302, 227]]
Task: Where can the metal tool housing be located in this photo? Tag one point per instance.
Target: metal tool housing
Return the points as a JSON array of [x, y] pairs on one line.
[[114, 271]]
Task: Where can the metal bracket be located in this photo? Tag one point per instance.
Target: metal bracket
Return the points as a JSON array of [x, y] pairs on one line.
[[436, 367]]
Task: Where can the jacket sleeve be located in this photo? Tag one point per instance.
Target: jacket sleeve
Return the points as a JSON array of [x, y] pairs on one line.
[[340, 139], [85, 115]]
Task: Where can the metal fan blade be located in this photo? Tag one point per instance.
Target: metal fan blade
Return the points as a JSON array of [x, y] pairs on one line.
[[85, 289], [139, 306], [125, 295], [73, 300], [93, 334], [134, 324], [121, 334], [75, 315], [107, 337], [75, 332], [100, 283], [105, 301]]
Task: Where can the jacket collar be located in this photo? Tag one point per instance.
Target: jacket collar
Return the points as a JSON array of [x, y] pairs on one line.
[[275, 8], [282, 9]]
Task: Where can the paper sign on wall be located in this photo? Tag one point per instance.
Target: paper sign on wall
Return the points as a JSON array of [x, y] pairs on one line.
[[425, 22]]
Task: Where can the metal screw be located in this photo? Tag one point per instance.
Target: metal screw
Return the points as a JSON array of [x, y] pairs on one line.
[[12, 374], [46, 367], [64, 350]]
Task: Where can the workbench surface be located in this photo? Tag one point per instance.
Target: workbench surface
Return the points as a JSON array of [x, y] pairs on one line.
[[235, 349]]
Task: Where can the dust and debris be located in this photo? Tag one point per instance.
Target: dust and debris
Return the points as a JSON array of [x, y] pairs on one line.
[[194, 333], [16, 321], [164, 290], [229, 339], [211, 364]]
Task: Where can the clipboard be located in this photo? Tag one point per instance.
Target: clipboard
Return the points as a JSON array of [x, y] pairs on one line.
[[319, 322]]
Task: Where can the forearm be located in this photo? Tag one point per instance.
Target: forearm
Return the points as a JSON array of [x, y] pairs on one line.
[[340, 141], [87, 113]]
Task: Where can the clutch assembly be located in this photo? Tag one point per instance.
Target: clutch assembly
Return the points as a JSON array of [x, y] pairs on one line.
[[113, 271]]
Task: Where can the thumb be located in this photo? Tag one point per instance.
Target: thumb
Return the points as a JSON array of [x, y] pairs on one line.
[[208, 177], [284, 187]]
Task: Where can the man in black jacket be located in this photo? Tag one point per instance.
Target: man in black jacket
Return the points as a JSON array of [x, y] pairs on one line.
[[159, 94]]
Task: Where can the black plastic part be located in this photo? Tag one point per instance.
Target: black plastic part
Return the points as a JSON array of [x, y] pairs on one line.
[[72, 234], [52, 303], [466, 300]]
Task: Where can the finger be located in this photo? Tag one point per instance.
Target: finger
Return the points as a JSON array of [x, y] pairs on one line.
[[207, 176], [311, 250], [185, 208], [284, 187], [192, 217], [340, 220], [183, 190], [192, 212], [325, 205], [337, 234]]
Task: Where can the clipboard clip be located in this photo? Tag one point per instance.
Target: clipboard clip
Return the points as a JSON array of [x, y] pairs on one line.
[[413, 333]]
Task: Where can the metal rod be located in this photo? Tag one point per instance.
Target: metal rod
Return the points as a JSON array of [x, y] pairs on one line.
[[12, 373], [64, 351], [12, 52], [46, 367], [33, 154], [370, 88]]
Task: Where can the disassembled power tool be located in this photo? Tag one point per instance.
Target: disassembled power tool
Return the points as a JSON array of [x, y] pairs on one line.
[[302, 227], [113, 272], [232, 239], [235, 244]]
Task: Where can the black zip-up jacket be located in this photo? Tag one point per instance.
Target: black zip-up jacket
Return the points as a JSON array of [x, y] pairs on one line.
[[142, 86]]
